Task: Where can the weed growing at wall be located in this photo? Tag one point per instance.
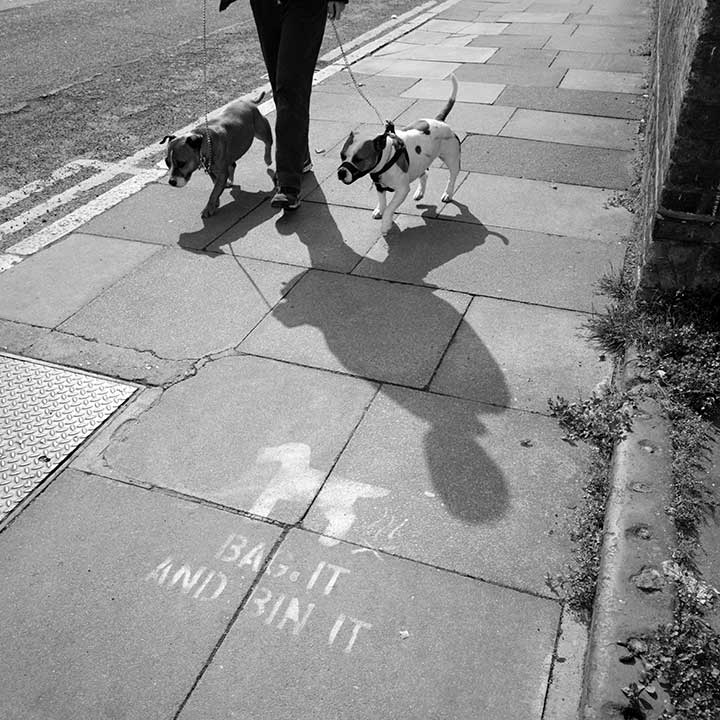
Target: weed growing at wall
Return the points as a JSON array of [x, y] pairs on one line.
[[602, 421]]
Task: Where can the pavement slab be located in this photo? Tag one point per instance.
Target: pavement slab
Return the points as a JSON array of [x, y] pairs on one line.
[[156, 308], [87, 264], [510, 41], [165, 215], [540, 352], [463, 483], [267, 452], [535, 17], [536, 28], [353, 110], [493, 261], [375, 85], [387, 638], [522, 57], [611, 19], [572, 129], [604, 81], [612, 32], [580, 102], [113, 599], [18, 337], [464, 117], [613, 45], [405, 68], [534, 76], [447, 53], [342, 323], [600, 61], [552, 208], [328, 237], [469, 92], [573, 164]]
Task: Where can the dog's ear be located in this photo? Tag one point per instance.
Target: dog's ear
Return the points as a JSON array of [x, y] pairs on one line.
[[167, 138], [348, 143], [195, 141], [379, 142]]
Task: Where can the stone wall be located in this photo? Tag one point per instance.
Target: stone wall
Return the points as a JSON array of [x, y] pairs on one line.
[[680, 219]]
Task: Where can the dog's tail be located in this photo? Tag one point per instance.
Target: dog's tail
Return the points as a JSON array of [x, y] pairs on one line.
[[449, 104]]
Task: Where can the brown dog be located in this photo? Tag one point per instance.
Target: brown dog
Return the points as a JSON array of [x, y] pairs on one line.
[[218, 146]]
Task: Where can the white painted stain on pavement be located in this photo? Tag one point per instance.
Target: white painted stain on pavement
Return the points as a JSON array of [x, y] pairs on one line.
[[294, 480], [337, 501]]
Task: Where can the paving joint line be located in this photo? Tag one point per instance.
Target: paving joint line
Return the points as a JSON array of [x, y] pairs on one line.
[[440, 568], [333, 465], [246, 598]]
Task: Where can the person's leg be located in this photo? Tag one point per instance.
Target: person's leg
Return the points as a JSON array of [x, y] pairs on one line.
[[303, 26], [268, 16]]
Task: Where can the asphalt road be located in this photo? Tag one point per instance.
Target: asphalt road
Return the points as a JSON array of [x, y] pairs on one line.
[[100, 79]]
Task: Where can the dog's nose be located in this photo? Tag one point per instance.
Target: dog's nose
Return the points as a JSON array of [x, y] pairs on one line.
[[344, 175], [172, 181]]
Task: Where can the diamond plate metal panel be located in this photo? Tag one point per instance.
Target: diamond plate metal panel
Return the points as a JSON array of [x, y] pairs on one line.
[[45, 413]]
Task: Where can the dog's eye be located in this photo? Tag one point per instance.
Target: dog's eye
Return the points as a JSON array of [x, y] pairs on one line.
[[167, 162]]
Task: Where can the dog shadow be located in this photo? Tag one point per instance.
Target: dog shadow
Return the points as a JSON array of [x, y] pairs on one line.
[[467, 480], [228, 214]]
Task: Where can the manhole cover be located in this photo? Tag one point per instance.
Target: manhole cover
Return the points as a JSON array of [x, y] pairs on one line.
[[45, 413]]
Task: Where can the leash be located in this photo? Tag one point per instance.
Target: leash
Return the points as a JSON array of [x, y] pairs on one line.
[[352, 76], [206, 162]]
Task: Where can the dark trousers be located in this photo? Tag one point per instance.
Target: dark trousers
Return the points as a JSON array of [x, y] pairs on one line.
[[290, 33]]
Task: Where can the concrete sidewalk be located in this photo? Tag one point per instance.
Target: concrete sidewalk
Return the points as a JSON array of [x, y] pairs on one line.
[[322, 482]]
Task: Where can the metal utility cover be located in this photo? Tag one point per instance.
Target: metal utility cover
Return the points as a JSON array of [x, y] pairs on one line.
[[45, 413]]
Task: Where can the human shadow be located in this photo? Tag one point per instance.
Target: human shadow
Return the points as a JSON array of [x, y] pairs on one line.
[[372, 329]]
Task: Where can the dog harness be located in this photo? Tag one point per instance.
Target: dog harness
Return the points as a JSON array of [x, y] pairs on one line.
[[400, 150]]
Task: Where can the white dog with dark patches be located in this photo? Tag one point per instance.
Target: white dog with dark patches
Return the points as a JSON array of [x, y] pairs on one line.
[[395, 159]]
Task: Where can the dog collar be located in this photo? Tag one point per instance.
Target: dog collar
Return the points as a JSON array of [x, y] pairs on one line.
[[400, 150]]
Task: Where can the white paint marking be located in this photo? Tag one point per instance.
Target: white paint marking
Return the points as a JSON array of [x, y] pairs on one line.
[[295, 480], [62, 173], [336, 502], [84, 214], [7, 260], [56, 201]]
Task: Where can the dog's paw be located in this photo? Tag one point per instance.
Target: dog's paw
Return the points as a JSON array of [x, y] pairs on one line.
[[419, 195], [208, 210], [377, 214], [446, 197]]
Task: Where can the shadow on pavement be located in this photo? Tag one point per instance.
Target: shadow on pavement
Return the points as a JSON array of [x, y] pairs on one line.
[[468, 481]]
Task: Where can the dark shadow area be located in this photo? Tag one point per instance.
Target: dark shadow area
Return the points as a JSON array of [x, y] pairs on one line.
[[370, 336], [225, 218]]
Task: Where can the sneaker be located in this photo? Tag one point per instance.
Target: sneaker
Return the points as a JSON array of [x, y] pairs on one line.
[[307, 167], [286, 198]]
